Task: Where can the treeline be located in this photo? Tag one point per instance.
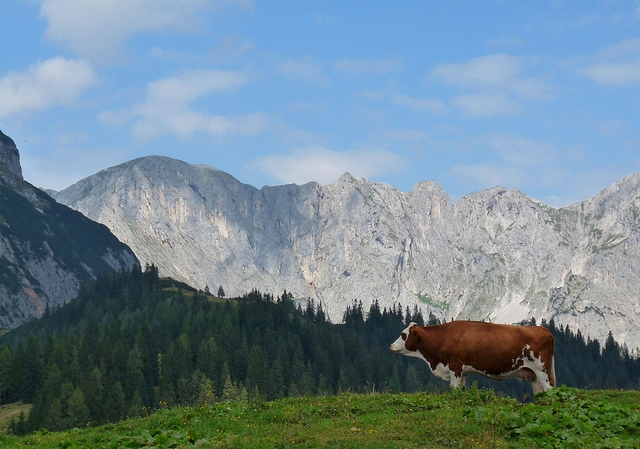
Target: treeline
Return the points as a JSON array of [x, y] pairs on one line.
[[132, 343]]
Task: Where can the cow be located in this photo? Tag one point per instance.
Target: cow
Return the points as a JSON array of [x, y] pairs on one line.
[[497, 351]]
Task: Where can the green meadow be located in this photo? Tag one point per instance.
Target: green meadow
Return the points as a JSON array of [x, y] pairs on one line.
[[563, 418]]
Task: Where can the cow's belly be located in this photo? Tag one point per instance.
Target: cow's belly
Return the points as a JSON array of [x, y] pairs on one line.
[[521, 372], [526, 367], [444, 372]]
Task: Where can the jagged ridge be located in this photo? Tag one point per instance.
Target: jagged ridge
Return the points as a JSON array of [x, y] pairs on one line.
[[496, 254]]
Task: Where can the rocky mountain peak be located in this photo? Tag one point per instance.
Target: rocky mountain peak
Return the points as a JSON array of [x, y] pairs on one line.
[[46, 248], [496, 254], [9, 156]]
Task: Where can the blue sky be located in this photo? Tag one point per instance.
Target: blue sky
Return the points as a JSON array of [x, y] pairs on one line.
[[542, 96]]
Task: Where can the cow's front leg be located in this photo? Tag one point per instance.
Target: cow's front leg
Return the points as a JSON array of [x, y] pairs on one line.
[[458, 376], [457, 381]]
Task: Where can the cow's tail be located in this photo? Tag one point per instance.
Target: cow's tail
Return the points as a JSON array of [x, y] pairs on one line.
[[552, 372]]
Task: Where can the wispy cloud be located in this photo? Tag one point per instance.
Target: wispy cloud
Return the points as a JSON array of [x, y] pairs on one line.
[[499, 72], [231, 48], [617, 65], [509, 160], [97, 29], [496, 83], [511, 41], [317, 163], [54, 82], [168, 107], [433, 105], [368, 67], [485, 105], [614, 74], [305, 70]]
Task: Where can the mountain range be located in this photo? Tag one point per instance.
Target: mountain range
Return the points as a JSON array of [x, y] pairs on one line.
[[46, 248], [494, 255]]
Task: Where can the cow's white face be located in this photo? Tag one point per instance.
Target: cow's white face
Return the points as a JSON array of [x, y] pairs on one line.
[[399, 347]]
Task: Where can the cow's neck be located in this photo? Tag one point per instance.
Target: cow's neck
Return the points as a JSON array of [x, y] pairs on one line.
[[430, 345]]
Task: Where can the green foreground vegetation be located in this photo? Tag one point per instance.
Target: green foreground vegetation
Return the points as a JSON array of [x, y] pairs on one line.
[[563, 417]]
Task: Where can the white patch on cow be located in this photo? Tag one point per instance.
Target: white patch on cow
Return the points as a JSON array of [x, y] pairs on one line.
[[442, 371], [398, 345], [523, 366]]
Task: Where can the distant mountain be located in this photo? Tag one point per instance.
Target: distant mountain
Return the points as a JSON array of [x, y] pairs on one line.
[[497, 254], [46, 248]]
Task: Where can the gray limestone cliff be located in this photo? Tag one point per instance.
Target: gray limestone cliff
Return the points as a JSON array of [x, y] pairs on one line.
[[46, 248], [9, 156], [497, 254]]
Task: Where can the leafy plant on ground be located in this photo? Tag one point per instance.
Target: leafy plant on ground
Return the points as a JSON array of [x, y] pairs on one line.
[[563, 417]]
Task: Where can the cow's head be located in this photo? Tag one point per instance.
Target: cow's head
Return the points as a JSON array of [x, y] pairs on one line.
[[407, 343]]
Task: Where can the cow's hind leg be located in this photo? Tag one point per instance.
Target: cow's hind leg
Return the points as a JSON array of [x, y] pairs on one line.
[[537, 387], [543, 382]]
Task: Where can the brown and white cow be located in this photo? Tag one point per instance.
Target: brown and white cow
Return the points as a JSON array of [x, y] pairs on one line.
[[498, 351]]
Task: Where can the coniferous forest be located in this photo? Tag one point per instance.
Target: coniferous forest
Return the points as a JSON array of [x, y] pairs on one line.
[[132, 343]]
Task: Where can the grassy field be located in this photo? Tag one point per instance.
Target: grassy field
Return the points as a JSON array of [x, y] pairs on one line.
[[473, 418], [10, 411]]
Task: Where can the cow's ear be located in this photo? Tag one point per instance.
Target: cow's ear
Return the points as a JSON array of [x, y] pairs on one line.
[[415, 335]]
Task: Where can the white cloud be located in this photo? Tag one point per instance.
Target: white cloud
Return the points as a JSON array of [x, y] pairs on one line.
[[518, 151], [486, 70], [616, 65], [97, 29], [306, 70], [614, 73], [229, 49], [504, 41], [485, 105], [626, 48], [510, 160], [54, 82], [317, 163], [168, 107], [612, 126], [486, 175], [426, 104], [368, 67], [498, 72], [496, 84], [192, 85]]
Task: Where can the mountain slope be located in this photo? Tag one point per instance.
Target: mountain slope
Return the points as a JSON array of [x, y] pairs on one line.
[[495, 254], [46, 248]]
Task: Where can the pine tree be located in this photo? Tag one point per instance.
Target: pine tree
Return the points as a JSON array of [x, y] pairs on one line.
[[93, 389], [229, 390], [206, 395], [137, 407], [77, 411], [257, 375]]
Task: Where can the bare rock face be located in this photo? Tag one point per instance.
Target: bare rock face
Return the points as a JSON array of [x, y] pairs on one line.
[[9, 156], [46, 248], [496, 254]]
